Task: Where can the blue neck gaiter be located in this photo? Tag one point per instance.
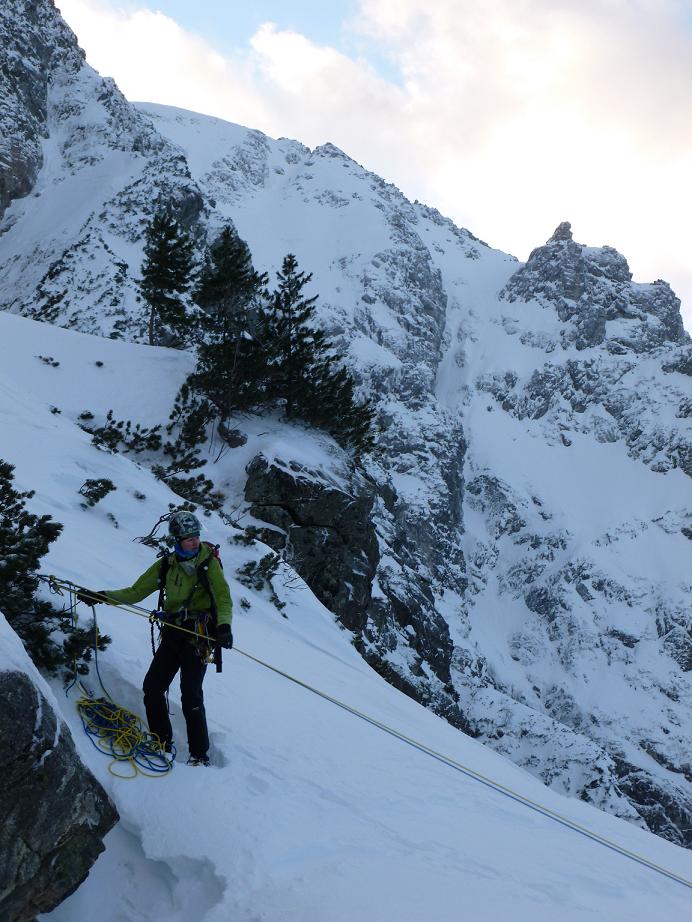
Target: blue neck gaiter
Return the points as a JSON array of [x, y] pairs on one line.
[[185, 555]]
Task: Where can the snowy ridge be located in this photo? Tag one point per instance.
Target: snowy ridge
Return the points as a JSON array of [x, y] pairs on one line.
[[307, 813]]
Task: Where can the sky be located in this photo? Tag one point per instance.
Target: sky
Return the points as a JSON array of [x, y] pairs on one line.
[[508, 116]]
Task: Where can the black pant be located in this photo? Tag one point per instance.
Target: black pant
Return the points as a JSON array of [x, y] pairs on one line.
[[175, 653]]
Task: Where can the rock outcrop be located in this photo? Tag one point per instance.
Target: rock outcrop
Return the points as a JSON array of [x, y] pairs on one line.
[[53, 812], [33, 42], [592, 291], [324, 531]]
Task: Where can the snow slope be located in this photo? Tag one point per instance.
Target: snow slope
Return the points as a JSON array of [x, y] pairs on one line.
[[308, 813]]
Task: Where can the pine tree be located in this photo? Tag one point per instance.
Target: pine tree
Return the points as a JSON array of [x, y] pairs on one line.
[[294, 347], [166, 275], [24, 539], [228, 372], [337, 411], [302, 367]]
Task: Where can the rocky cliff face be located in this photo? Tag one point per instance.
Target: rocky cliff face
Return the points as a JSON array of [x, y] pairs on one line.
[[591, 290], [616, 391], [518, 549], [53, 812], [593, 369], [81, 171], [34, 42]]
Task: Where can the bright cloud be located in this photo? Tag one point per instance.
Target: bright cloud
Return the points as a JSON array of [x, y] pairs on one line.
[[510, 116]]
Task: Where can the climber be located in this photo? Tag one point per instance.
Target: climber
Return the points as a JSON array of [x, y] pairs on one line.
[[195, 593]]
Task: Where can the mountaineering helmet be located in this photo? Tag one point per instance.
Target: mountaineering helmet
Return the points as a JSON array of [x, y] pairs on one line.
[[183, 525]]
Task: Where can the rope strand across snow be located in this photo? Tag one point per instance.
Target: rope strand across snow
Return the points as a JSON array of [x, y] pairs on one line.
[[58, 585]]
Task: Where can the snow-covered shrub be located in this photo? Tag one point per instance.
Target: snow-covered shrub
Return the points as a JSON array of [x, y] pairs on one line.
[[48, 635]]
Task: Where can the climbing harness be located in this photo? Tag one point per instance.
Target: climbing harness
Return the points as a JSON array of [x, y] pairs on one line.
[[208, 648], [112, 729], [426, 750]]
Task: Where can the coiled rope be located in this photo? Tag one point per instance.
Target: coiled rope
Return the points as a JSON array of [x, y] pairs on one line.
[[120, 734], [426, 750], [112, 729]]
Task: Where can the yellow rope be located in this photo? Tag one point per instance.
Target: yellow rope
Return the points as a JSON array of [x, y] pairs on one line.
[[120, 733], [112, 729]]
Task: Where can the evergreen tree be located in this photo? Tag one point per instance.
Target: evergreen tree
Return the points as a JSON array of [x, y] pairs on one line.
[[337, 411], [294, 348], [229, 364], [24, 539], [166, 275], [301, 366]]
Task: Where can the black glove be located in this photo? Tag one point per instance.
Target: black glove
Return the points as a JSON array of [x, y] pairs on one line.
[[224, 636], [92, 597]]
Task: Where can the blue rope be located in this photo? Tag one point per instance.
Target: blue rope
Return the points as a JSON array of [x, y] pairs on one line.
[[120, 734], [96, 653], [117, 732]]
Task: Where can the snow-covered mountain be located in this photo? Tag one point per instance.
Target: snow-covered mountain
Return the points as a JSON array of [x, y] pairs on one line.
[[307, 813], [526, 519]]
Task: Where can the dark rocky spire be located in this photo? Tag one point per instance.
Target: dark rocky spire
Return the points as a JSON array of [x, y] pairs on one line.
[[562, 232]]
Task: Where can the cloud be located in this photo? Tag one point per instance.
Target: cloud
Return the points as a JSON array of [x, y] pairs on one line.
[[544, 110], [153, 59], [510, 116]]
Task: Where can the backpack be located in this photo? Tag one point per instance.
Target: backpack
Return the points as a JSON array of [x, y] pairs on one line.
[[203, 579]]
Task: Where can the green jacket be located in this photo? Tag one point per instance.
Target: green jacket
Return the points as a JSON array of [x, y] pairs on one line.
[[180, 584]]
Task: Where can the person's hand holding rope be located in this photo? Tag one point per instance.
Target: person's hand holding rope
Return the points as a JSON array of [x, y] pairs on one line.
[[92, 597]]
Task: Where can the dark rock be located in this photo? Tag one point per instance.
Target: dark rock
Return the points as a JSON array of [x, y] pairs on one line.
[[545, 601], [276, 540], [626, 639], [678, 645], [331, 542], [339, 572], [562, 232], [234, 438], [666, 810], [490, 496], [53, 812], [681, 362], [406, 609]]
